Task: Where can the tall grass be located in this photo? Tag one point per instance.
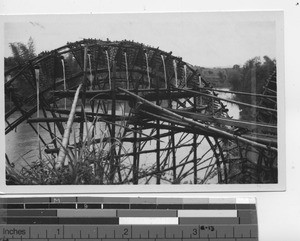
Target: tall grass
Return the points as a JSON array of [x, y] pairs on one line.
[[86, 163]]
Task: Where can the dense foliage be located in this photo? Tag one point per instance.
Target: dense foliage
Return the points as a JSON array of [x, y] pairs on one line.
[[20, 53], [251, 78]]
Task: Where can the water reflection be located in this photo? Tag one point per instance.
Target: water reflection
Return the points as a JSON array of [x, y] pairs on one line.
[[234, 110]]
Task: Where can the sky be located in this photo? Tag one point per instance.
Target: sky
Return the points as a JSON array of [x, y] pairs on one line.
[[217, 39]]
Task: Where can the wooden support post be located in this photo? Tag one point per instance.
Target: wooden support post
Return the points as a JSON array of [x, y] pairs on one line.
[[244, 166], [83, 97], [113, 127], [195, 137], [158, 151], [134, 167], [37, 78], [172, 137], [173, 154], [136, 143], [158, 147], [223, 160]]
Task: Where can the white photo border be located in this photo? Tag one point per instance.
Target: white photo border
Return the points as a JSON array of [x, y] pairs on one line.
[[190, 188]]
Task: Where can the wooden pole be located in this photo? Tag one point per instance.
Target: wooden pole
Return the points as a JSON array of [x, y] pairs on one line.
[[158, 147], [200, 125], [126, 66], [37, 77], [83, 95], [250, 125], [239, 93], [165, 71], [64, 78], [195, 137], [113, 127], [172, 144], [223, 160], [66, 137], [134, 164], [136, 142], [230, 101]]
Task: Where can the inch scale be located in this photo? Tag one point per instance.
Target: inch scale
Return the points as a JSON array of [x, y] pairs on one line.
[[132, 219]]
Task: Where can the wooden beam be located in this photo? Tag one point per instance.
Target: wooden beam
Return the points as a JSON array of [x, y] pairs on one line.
[[106, 95], [230, 101], [164, 96], [230, 122], [239, 92], [51, 120], [223, 133]]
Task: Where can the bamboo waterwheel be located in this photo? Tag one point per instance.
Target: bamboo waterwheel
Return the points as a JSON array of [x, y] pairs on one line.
[[143, 116]]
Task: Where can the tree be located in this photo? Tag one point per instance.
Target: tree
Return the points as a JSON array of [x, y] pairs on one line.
[[236, 67], [234, 78], [222, 75], [262, 71], [251, 78], [23, 52]]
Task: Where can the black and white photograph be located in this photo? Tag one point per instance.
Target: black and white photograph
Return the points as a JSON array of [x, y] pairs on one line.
[[153, 99]]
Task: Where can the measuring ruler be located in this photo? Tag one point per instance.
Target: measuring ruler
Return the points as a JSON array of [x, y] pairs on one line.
[[90, 218]]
